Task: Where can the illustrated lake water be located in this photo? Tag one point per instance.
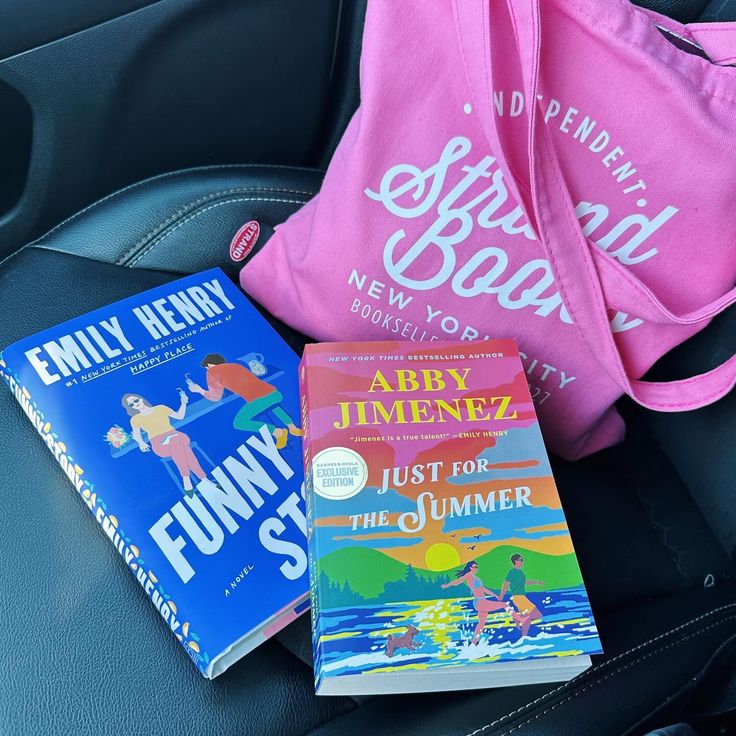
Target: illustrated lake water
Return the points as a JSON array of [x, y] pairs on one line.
[[354, 639]]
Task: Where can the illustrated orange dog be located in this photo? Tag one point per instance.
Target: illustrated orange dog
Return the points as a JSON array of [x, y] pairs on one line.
[[405, 640]]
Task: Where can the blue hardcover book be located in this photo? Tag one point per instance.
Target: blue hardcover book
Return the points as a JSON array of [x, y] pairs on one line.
[[175, 415]]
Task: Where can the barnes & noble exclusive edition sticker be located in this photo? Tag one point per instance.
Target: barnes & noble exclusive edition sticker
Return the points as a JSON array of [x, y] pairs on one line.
[[339, 473]]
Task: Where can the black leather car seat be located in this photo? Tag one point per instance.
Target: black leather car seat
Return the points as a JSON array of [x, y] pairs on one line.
[[83, 652], [176, 221]]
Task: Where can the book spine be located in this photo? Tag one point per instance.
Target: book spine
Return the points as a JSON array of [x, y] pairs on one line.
[[309, 500], [110, 523]]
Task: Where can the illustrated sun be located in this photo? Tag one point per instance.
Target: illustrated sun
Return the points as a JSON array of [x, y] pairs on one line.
[[441, 556]]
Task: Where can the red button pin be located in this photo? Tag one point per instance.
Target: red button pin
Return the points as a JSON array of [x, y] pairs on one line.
[[244, 240]]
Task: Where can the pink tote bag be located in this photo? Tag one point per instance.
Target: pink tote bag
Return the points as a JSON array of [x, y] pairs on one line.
[[560, 172]]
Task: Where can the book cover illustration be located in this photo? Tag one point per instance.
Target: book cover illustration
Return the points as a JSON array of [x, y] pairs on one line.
[[437, 536], [175, 415]]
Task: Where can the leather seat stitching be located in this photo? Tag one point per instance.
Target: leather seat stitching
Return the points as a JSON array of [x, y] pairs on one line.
[[201, 212], [589, 673], [193, 204], [172, 174], [608, 676], [38, 241], [686, 686], [14, 253], [682, 690]]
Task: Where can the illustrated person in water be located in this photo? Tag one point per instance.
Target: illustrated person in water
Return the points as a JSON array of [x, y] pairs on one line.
[[163, 439], [469, 576], [260, 396], [515, 583]]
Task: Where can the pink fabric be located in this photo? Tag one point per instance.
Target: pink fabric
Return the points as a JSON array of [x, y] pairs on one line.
[[596, 226], [719, 43]]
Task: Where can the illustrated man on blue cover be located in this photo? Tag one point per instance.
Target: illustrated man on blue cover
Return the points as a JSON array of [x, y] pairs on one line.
[[260, 396], [515, 583]]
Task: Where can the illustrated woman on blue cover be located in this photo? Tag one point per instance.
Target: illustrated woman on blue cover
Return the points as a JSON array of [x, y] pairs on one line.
[[165, 441], [469, 576]]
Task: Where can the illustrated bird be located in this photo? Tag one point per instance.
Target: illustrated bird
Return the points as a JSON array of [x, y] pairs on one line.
[[471, 547], [476, 536], [452, 535]]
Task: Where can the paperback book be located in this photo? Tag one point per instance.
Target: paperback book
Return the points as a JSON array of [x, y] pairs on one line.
[[175, 415], [438, 547]]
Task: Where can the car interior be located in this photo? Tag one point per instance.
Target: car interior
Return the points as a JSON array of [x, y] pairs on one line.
[[137, 137]]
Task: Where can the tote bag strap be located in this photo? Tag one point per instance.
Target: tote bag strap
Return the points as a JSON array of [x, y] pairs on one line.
[[718, 40], [587, 277]]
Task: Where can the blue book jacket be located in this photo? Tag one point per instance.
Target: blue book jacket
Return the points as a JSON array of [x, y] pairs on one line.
[[175, 415]]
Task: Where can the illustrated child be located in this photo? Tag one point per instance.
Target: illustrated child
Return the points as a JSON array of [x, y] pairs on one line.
[[259, 396], [515, 583], [468, 575], [165, 441]]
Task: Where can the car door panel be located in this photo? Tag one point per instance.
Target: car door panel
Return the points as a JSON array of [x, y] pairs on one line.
[[174, 84]]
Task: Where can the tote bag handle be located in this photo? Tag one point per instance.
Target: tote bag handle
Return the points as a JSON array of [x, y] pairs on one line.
[[588, 278]]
